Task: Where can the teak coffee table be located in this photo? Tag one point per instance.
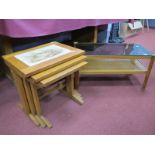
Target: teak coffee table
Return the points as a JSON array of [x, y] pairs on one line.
[[116, 59], [38, 71]]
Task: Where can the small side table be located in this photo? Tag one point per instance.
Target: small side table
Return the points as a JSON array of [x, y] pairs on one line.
[[37, 81]]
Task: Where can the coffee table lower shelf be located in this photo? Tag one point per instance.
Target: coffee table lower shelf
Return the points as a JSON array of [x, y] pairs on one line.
[[101, 66]]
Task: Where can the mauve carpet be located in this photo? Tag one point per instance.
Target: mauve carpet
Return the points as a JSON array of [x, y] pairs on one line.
[[113, 105]]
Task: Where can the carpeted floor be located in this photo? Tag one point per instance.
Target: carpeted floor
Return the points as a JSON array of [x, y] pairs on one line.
[[112, 105]]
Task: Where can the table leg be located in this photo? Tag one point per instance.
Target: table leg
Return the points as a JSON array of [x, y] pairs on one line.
[[76, 79], [43, 122], [24, 93], [20, 87], [148, 72], [37, 105], [70, 84], [77, 97], [34, 120], [29, 96], [95, 34], [74, 94], [35, 99], [147, 23]]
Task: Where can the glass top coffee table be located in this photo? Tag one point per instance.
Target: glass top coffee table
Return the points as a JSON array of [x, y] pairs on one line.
[[116, 59]]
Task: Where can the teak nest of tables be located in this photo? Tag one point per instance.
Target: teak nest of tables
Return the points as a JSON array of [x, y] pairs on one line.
[[35, 81]]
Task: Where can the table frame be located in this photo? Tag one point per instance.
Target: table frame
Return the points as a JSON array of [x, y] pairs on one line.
[[86, 71], [28, 88]]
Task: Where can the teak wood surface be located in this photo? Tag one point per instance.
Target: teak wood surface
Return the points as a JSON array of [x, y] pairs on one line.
[[28, 79], [26, 71]]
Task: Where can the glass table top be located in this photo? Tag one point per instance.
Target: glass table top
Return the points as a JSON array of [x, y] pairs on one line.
[[114, 49]]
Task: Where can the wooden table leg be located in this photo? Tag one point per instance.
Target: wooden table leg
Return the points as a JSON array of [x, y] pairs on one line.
[[21, 92], [70, 84], [49, 125], [39, 118], [34, 120], [76, 79], [29, 96], [34, 105], [148, 72], [77, 97], [71, 91], [95, 34], [34, 114], [35, 99], [26, 100]]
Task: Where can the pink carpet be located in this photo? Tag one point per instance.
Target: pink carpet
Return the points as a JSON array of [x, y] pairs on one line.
[[112, 105]]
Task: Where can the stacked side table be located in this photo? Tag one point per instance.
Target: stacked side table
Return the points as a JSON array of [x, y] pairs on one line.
[[41, 76]]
